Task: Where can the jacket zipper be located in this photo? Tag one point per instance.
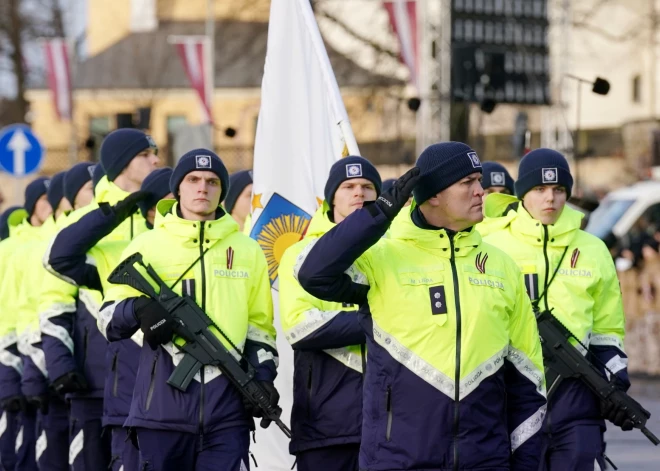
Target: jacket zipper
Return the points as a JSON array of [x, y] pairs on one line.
[[388, 405], [115, 380], [85, 341], [201, 260], [152, 382], [545, 295], [457, 373], [309, 392], [131, 227], [201, 373]]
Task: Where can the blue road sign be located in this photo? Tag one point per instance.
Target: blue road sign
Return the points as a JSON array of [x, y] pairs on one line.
[[21, 153]]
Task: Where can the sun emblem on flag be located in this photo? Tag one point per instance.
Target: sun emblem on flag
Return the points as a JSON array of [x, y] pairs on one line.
[[280, 225]]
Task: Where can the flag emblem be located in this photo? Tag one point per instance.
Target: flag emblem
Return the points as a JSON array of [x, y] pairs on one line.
[[202, 161], [480, 262], [280, 225], [574, 258], [353, 170], [230, 258], [497, 178], [549, 175], [474, 158]]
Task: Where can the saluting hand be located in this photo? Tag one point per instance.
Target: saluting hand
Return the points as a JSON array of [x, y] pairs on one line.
[[393, 200]]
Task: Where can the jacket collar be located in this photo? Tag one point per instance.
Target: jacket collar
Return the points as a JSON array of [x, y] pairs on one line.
[[528, 229], [107, 192], [437, 240], [167, 218], [320, 223]]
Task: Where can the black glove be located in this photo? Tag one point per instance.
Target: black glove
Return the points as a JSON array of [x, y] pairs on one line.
[[616, 415], [155, 322], [125, 207], [254, 411], [39, 402], [13, 404], [70, 382], [393, 200]]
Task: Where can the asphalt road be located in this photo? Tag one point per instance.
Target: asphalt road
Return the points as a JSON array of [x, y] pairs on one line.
[[632, 451]]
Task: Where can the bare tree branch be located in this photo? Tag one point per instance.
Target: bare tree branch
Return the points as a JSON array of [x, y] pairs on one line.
[[355, 34]]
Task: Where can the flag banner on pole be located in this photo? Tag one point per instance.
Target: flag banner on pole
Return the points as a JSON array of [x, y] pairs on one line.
[[403, 19], [303, 128], [58, 72], [194, 54]]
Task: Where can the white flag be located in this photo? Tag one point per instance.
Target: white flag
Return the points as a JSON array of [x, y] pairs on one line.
[[302, 130]]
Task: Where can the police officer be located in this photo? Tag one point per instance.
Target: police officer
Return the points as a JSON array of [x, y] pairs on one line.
[[4, 221], [127, 156], [71, 251], [571, 273], [52, 446], [196, 247], [328, 341], [11, 399], [16, 304], [155, 187], [496, 179], [454, 377], [238, 201]]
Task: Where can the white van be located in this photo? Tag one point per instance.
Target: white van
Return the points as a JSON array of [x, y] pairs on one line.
[[621, 208]]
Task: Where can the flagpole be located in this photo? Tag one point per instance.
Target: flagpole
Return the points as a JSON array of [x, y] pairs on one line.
[[73, 139], [210, 60]]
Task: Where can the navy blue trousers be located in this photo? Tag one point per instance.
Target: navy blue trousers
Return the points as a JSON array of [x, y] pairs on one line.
[[89, 446], [26, 439], [331, 458], [52, 448], [164, 450], [8, 431], [579, 448], [124, 454]]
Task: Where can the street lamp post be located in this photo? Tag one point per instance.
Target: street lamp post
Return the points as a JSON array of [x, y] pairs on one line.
[[600, 86]]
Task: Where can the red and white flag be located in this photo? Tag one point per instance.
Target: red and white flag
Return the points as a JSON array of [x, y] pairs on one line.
[[194, 53], [59, 76], [403, 18]]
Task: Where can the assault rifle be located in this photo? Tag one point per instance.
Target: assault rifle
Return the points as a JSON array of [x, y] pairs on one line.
[[202, 346], [564, 360]]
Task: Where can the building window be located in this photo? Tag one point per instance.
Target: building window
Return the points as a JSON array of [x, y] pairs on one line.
[[99, 127], [175, 122], [637, 89]]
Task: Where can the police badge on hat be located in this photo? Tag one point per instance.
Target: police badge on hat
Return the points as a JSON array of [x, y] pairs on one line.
[[353, 170], [497, 178], [151, 141], [202, 161], [91, 169], [47, 184], [549, 175], [474, 158]]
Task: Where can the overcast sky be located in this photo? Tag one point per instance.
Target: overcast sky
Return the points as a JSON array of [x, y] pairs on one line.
[[75, 18]]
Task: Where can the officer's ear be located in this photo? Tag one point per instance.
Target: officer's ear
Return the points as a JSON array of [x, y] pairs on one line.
[[433, 201]]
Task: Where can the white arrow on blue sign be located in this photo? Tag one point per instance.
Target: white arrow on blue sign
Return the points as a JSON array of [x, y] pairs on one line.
[[21, 153]]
